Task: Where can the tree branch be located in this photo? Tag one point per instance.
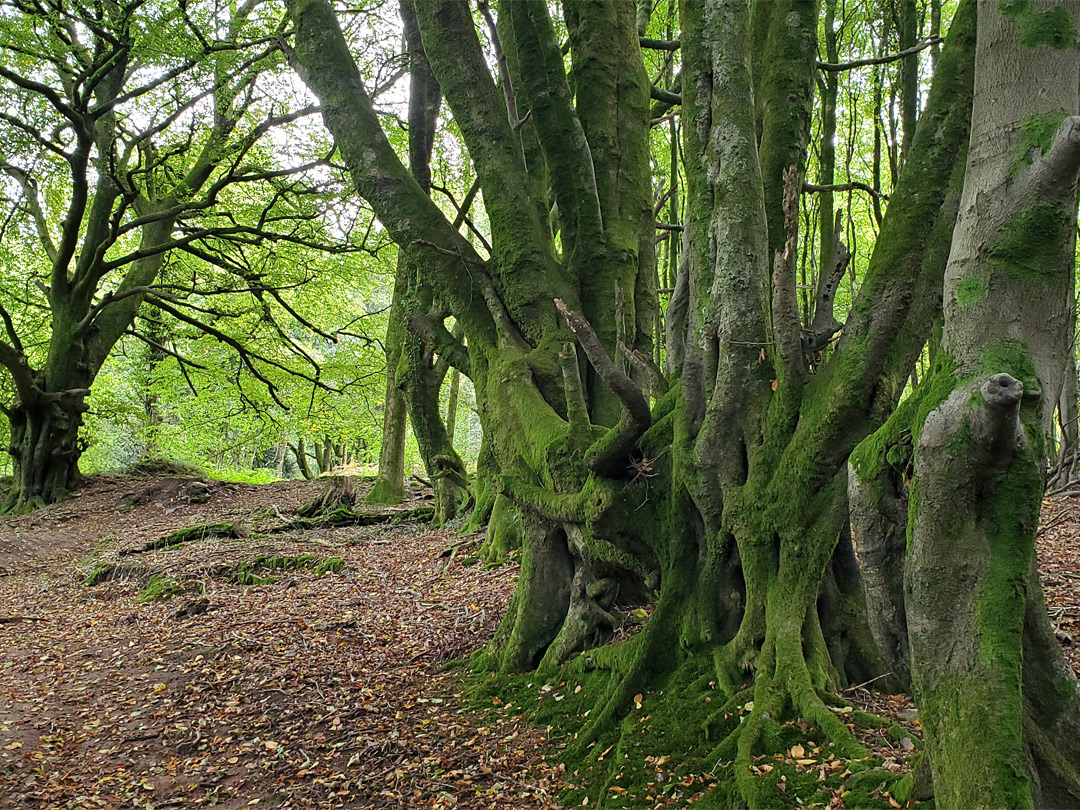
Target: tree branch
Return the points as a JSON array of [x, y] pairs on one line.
[[324, 62], [811, 188], [1056, 168], [880, 60], [246, 356], [18, 366], [561, 135], [165, 350], [33, 202], [610, 454], [824, 324], [644, 364], [787, 331], [659, 44], [442, 342], [665, 96]]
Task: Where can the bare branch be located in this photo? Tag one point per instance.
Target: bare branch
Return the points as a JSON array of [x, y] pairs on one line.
[[165, 350], [33, 202], [46, 92], [246, 356], [881, 60], [855, 185], [646, 366], [659, 44]]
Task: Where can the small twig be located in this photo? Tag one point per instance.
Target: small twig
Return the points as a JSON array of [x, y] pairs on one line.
[[1059, 519], [866, 683]]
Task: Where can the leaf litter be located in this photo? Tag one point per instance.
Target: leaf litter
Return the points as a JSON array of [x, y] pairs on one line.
[[310, 690]]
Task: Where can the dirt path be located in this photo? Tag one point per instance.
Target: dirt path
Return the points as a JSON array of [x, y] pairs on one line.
[[311, 691]]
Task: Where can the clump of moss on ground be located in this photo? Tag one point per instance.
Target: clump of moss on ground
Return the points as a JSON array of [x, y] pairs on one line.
[[159, 587], [260, 570]]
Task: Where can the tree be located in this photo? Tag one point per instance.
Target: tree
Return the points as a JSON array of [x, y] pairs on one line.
[[126, 124], [725, 502], [1000, 707]]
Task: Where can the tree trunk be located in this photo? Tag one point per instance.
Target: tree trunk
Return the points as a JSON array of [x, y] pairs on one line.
[[724, 504], [300, 451], [452, 405], [909, 75], [389, 486], [420, 381], [1000, 709], [45, 450]]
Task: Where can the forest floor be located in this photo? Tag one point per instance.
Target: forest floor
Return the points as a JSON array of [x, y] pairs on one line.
[[266, 683]]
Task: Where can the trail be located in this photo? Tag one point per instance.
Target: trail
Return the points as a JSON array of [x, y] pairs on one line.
[[308, 691]]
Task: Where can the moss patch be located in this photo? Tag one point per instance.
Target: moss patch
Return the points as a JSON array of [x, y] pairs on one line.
[[1054, 28], [344, 516], [905, 423], [1031, 243], [158, 587], [189, 534], [260, 570], [1038, 134], [971, 290], [1010, 357], [675, 745]]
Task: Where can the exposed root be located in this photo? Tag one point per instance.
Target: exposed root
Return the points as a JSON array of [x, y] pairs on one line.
[[189, 534]]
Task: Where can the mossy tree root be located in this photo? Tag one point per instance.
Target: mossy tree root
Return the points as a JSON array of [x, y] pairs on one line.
[[189, 534]]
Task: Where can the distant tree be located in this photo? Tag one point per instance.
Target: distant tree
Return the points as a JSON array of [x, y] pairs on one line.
[[125, 125]]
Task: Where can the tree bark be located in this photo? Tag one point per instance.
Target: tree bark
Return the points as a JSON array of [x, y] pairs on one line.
[[724, 504], [974, 607], [389, 486]]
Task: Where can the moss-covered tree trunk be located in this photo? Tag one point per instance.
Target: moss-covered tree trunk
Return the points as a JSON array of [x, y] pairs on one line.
[[44, 449], [723, 504], [1002, 725], [417, 375]]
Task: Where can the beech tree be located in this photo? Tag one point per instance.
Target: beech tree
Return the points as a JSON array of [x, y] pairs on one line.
[[124, 125], [715, 491], [999, 703]]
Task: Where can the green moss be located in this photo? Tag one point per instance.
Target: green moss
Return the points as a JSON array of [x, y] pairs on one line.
[[1010, 357], [1038, 134], [863, 719], [870, 456], [100, 573], [159, 586], [1032, 242], [259, 571], [973, 716], [971, 290], [190, 534], [1054, 27]]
